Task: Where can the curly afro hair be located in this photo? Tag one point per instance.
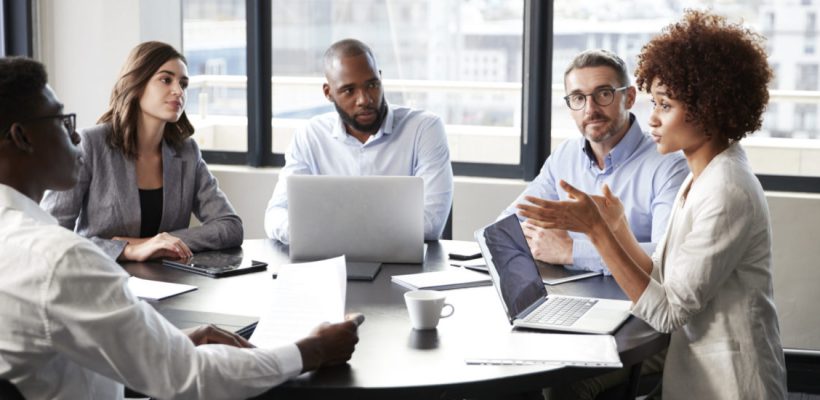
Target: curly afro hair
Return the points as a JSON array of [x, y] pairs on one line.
[[716, 68]]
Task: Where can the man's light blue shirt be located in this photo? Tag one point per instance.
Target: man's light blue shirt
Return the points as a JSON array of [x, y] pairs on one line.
[[644, 180], [409, 143]]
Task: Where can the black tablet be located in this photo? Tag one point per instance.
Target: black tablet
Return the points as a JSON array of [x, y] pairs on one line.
[[217, 264], [363, 271]]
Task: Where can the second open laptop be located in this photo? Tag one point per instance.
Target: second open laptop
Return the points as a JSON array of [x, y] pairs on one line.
[[523, 295], [365, 218]]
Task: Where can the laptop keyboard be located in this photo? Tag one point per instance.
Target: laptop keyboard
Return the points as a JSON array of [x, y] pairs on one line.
[[561, 311]]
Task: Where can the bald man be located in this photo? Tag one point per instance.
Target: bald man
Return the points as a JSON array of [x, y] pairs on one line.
[[366, 136]]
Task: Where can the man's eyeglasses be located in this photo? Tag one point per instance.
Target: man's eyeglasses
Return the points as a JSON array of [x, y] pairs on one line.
[[602, 97], [69, 121]]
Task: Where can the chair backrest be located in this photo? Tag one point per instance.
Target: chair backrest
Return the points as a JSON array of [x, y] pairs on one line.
[[8, 391], [447, 234]]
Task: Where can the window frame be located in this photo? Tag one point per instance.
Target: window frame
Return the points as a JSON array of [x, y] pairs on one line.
[[17, 31], [535, 96]]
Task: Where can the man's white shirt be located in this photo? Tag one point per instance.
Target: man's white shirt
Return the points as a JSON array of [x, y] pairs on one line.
[[73, 330]]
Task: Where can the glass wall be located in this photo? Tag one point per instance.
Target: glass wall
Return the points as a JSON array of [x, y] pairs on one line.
[[2, 30], [461, 60], [214, 43]]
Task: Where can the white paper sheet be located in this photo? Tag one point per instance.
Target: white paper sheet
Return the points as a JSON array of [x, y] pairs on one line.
[[156, 290], [524, 348], [304, 296]]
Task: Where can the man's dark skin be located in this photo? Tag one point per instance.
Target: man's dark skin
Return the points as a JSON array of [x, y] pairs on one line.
[[354, 86], [40, 154]]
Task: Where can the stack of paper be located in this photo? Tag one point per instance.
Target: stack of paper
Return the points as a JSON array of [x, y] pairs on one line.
[[451, 278], [304, 296], [524, 348]]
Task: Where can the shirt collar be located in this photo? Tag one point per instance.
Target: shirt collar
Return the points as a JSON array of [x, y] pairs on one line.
[[624, 149], [339, 131], [11, 198]]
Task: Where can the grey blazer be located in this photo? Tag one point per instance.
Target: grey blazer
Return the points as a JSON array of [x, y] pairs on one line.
[[105, 202]]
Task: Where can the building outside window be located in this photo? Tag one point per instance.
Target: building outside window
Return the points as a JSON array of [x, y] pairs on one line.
[[463, 60], [790, 126], [460, 60], [214, 43]]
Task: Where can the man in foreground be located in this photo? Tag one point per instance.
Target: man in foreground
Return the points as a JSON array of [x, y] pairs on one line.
[[71, 328]]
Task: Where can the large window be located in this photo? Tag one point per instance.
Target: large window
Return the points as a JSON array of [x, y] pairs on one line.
[[788, 143], [478, 65], [2, 30], [461, 60], [214, 34]]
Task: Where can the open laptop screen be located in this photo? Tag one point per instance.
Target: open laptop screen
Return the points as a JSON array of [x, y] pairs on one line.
[[366, 218], [519, 282]]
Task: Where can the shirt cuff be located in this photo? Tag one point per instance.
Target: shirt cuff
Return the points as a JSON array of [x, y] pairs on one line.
[[585, 257], [649, 302], [290, 359]]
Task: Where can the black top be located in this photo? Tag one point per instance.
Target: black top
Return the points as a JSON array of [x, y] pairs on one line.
[[151, 209]]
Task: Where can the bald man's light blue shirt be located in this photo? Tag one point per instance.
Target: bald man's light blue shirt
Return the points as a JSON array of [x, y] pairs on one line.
[[644, 180], [409, 143]]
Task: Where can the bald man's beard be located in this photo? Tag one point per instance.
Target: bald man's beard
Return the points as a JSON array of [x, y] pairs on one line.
[[370, 128]]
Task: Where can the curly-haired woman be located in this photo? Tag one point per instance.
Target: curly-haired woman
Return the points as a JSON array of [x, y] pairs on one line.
[[709, 282]]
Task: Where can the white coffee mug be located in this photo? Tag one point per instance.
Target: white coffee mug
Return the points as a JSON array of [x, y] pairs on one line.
[[426, 307]]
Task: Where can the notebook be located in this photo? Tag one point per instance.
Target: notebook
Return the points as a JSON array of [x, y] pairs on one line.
[[527, 348], [550, 274], [156, 290], [524, 298], [366, 218], [451, 278], [217, 264]]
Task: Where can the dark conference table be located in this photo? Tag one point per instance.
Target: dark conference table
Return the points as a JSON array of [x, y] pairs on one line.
[[392, 360]]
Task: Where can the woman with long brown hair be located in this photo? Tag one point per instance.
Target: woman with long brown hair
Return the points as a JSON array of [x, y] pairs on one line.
[[143, 175]]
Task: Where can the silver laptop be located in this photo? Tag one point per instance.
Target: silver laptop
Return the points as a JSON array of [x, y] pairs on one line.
[[366, 218], [523, 295]]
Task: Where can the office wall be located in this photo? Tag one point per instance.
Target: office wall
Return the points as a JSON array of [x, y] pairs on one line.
[[477, 201], [796, 234], [83, 59]]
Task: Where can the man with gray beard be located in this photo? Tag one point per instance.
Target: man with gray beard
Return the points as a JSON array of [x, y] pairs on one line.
[[612, 150]]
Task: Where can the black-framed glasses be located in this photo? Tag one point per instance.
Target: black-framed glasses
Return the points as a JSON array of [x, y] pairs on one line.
[[602, 97], [69, 121]]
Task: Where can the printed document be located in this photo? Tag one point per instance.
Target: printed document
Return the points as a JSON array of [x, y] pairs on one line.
[[304, 296]]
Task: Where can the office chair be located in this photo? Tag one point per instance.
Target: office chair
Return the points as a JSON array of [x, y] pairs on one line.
[[447, 234], [647, 387], [8, 391]]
